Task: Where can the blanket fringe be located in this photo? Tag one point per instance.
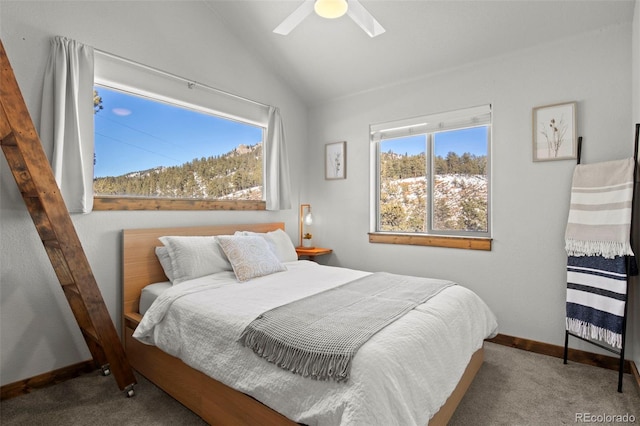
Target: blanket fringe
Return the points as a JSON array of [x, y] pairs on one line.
[[606, 249], [587, 330], [319, 366]]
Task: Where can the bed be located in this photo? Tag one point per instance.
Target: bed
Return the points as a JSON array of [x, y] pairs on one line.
[[238, 387]]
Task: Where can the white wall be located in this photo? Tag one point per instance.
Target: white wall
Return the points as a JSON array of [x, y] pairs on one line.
[[634, 305], [37, 330], [523, 278]]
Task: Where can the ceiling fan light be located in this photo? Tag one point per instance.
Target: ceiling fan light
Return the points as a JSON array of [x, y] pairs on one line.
[[330, 9]]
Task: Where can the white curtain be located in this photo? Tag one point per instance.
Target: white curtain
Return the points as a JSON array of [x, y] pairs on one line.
[[67, 120], [277, 186]]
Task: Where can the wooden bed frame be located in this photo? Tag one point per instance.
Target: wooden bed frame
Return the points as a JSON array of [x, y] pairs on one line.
[[215, 402]]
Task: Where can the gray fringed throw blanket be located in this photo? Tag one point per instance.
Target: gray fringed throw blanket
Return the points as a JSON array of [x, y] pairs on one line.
[[319, 335], [600, 212]]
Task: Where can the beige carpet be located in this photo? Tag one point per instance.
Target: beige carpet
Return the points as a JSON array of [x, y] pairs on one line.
[[513, 387], [516, 387]]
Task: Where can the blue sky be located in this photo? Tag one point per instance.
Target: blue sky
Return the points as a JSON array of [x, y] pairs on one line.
[[133, 133], [472, 140]]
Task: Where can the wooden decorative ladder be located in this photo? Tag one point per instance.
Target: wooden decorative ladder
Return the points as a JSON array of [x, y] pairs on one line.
[[34, 176]]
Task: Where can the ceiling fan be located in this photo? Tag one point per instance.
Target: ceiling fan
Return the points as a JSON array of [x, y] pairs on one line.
[[332, 9]]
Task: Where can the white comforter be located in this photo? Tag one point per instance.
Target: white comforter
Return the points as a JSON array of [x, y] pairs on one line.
[[401, 376]]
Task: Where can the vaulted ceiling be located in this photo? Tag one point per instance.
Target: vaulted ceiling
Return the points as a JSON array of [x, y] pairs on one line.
[[324, 59]]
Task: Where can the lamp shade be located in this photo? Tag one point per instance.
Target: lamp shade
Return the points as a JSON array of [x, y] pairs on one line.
[[330, 9], [308, 218]]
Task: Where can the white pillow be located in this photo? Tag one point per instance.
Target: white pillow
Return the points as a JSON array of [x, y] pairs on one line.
[[193, 257], [250, 256], [279, 242], [165, 261]]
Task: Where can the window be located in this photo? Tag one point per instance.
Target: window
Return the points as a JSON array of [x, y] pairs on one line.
[[148, 148], [162, 142], [432, 179]]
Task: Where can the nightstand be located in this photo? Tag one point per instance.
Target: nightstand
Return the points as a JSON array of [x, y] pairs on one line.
[[312, 252]]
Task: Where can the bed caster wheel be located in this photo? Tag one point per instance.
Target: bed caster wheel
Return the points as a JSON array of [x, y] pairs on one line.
[[106, 370], [129, 392]]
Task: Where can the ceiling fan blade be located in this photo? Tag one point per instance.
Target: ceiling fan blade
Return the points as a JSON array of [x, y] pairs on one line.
[[364, 19], [295, 18]]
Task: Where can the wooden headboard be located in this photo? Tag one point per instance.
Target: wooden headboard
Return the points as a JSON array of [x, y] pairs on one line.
[[140, 266]]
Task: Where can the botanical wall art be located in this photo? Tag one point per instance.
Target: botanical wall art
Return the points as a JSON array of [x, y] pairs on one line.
[[554, 132], [335, 160]]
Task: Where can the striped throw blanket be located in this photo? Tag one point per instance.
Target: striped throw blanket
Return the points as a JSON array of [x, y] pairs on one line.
[[597, 241], [596, 294], [318, 336], [600, 211]]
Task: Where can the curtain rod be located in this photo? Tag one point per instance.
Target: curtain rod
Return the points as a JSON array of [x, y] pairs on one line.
[[190, 83]]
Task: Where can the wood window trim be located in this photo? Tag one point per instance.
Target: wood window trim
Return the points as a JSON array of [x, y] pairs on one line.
[[112, 203], [467, 243]]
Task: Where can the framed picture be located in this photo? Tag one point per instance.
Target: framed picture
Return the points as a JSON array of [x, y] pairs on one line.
[[554, 132], [335, 160]]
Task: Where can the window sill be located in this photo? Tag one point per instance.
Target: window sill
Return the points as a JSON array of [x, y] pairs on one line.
[[141, 203], [467, 243]]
